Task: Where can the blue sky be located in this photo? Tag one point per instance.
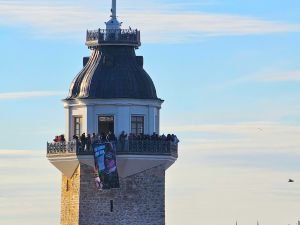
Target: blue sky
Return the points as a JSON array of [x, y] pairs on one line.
[[229, 74]]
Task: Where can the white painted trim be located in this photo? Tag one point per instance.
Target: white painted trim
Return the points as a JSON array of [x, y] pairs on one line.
[[148, 157], [63, 157], [115, 102]]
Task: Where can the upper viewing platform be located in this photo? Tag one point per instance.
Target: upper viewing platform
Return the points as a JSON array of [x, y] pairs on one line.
[[113, 34], [101, 37], [128, 147]]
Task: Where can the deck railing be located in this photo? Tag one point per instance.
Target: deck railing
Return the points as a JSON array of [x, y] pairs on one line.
[[128, 147], [61, 148], [113, 36]]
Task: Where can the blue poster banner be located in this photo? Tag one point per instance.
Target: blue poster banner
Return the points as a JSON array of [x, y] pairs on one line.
[[106, 166]]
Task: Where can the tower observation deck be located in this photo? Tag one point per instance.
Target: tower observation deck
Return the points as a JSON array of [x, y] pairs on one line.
[[102, 37], [113, 134], [113, 34]]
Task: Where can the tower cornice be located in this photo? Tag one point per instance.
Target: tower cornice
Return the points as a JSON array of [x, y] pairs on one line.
[[118, 102]]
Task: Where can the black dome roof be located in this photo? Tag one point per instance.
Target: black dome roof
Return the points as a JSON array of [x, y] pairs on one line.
[[113, 72]]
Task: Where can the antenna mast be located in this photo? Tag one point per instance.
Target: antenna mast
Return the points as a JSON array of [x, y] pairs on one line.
[[113, 23], [114, 9]]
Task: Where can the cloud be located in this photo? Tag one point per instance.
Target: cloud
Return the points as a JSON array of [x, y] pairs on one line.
[[168, 24], [264, 76], [229, 194], [29, 188], [189, 26], [256, 137], [277, 76], [14, 153], [29, 94], [239, 128]]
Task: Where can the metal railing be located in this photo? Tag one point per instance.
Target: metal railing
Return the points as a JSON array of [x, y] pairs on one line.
[[61, 148], [128, 147], [113, 36], [147, 147]]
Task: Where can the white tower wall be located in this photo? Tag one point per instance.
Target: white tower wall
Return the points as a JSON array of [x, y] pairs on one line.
[[120, 109]]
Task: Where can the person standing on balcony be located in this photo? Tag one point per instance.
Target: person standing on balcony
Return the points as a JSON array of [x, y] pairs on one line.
[[75, 139], [88, 142], [62, 138], [175, 140], [110, 137], [102, 137], [83, 141], [122, 139], [94, 138], [55, 140]]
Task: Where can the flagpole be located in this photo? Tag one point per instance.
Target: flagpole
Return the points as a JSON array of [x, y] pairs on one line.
[[114, 9]]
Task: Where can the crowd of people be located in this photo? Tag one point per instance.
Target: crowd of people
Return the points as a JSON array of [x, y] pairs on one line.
[[155, 137], [87, 141]]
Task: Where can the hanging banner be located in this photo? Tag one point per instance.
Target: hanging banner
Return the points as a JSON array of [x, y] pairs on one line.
[[106, 166]]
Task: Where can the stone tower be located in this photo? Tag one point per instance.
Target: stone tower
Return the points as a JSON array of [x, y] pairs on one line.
[[113, 93]]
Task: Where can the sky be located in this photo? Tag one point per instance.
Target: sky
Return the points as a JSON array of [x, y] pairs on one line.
[[228, 71]]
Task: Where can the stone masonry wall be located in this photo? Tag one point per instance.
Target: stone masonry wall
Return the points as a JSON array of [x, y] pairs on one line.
[[139, 201], [70, 199]]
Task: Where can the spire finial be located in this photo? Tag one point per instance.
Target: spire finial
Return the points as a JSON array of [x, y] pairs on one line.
[[113, 23], [114, 9]]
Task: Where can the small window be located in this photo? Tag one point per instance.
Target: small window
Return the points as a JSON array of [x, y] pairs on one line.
[[137, 125], [77, 126]]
